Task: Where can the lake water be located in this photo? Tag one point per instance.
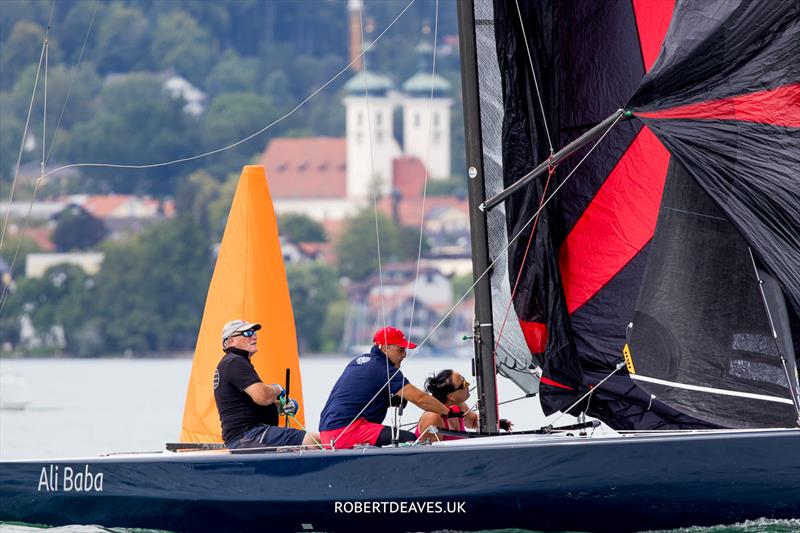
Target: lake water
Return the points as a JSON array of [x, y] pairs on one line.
[[88, 407]]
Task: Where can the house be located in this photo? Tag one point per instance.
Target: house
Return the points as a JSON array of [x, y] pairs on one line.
[[36, 264], [394, 295]]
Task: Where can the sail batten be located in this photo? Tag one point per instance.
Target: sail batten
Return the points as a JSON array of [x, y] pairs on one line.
[[711, 390]]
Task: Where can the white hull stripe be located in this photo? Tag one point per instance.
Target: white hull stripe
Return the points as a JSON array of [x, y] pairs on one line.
[[712, 390]]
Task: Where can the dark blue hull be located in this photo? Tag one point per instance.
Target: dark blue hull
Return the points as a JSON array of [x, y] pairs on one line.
[[550, 483]]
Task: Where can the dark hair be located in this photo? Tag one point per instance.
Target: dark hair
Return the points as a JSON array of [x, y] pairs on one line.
[[440, 385]]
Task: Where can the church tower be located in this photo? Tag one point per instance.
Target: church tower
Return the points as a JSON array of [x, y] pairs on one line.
[[354, 8], [370, 168], [426, 120]]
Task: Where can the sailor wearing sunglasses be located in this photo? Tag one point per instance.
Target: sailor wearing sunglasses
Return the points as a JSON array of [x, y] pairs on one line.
[[249, 409]]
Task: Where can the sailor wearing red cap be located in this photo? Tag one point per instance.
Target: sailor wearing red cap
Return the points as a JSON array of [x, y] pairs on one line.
[[361, 397]]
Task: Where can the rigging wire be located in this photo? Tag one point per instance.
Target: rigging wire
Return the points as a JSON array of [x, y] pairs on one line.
[[44, 175], [22, 147], [503, 251], [550, 173], [425, 183], [72, 81], [588, 394], [42, 58], [374, 187], [535, 81], [427, 158]]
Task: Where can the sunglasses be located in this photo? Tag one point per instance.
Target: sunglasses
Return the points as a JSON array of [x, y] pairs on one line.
[[245, 333], [464, 386]]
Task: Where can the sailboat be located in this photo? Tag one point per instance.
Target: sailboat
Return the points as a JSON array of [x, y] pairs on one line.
[[652, 283]]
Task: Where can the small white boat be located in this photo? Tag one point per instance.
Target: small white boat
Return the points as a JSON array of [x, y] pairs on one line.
[[14, 392]]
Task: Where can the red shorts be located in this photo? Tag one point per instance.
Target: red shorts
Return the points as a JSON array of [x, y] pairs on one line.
[[359, 432]]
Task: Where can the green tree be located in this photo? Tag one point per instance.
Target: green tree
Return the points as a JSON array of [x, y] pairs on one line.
[[232, 74], [61, 298], [136, 122], [357, 248], [77, 229], [453, 186], [151, 293], [231, 117], [179, 43], [26, 246], [300, 228], [313, 288], [333, 327], [22, 49], [123, 33]]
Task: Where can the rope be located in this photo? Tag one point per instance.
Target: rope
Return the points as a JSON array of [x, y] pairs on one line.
[[301, 426], [535, 82], [503, 251]]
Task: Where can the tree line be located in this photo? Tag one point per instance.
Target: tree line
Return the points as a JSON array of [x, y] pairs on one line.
[[253, 60], [149, 294]]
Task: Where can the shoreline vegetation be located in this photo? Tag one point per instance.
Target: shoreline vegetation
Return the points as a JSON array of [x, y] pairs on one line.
[[240, 66]]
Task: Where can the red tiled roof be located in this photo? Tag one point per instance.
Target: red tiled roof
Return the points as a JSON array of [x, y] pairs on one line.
[[102, 206], [307, 167], [41, 236], [410, 209], [409, 176]]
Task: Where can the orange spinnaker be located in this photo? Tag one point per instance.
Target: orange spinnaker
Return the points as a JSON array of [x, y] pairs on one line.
[[249, 282]]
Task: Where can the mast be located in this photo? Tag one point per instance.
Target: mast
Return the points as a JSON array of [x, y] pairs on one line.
[[483, 330]]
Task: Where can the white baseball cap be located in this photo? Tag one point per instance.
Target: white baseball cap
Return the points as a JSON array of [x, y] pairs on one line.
[[235, 326]]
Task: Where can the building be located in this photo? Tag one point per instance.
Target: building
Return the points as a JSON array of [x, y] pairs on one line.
[[36, 264], [332, 178]]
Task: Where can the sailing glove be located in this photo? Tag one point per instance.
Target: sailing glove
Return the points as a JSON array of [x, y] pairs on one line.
[[289, 408], [506, 424], [281, 397]]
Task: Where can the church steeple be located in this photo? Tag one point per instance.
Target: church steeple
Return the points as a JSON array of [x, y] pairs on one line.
[[354, 8]]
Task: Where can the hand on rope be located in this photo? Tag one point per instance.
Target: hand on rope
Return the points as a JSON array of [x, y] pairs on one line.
[[288, 407], [280, 397]]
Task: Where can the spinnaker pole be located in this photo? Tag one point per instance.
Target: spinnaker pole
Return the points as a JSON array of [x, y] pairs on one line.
[[483, 331], [556, 158]]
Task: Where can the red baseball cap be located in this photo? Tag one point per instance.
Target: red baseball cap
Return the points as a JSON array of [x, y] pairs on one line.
[[390, 335]]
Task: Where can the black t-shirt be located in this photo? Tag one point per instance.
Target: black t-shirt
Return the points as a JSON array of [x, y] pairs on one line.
[[237, 411]]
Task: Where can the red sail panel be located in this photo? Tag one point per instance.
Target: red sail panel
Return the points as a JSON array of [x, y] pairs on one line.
[[535, 335], [779, 107], [619, 221], [652, 22]]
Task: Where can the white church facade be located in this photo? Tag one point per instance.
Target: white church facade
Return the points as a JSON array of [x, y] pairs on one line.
[[332, 178]]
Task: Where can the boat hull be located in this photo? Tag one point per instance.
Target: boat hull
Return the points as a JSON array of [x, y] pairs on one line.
[[551, 483]]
